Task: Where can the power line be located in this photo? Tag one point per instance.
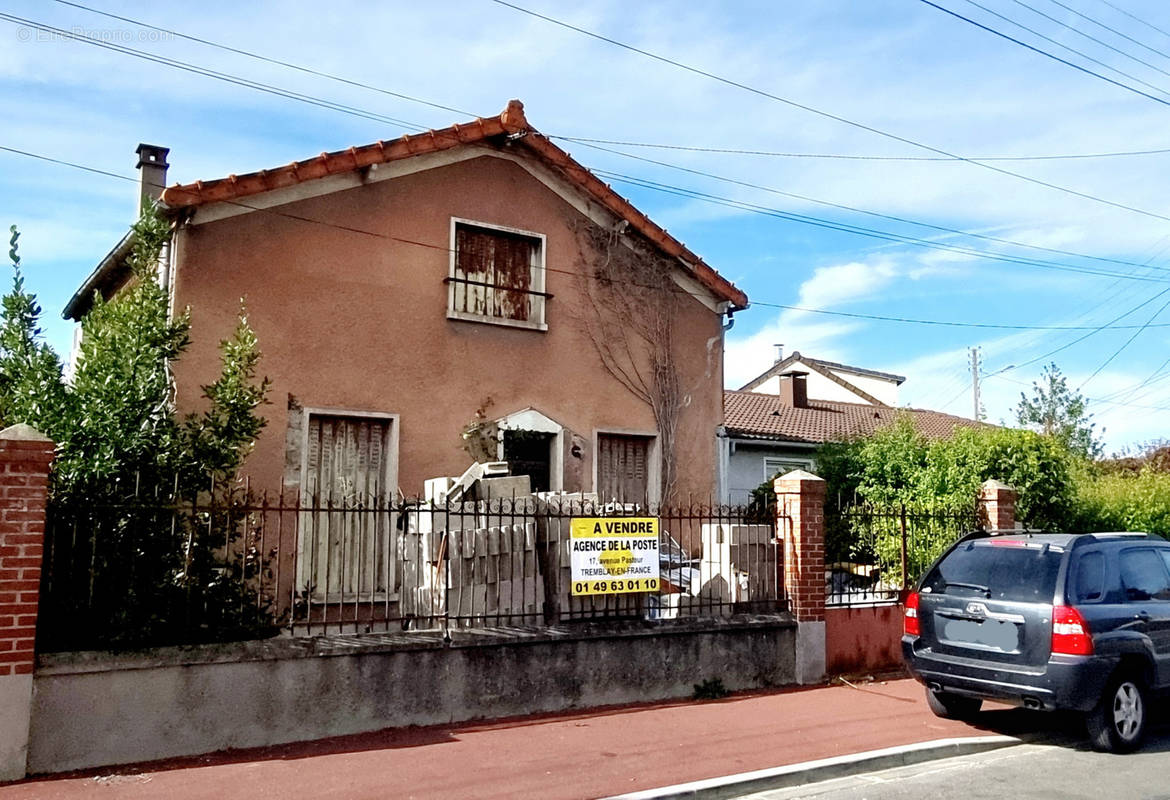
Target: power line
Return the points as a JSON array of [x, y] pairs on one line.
[[872, 317], [680, 290], [1044, 53], [858, 230], [266, 59], [1114, 31], [360, 112], [1153, 377], [432, 104], [1139, 20], [709, 175], [855, 210], [1090, 333], [1109, 297], [950, 402], [1092, 399], [210, 73], [371, 115], [955, 324], [828, 115], [1050, 40], [852, 157], [1081, 33], [1127, 343]]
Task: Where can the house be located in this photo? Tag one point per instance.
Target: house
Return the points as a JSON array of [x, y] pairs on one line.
[[828, 380], [413, 295], [769, 433]]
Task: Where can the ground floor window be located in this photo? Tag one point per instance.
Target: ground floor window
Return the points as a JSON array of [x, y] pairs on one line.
[[346, 545], [774, 467], [623, 467]]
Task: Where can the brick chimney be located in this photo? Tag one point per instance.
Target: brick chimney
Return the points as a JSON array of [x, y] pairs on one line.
[[794, 389], [152, 176]]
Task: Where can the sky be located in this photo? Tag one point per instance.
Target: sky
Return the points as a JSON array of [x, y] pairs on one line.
[[944, 240]]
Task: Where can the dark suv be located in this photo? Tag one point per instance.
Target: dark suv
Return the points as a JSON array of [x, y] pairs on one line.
[[1046, 621]]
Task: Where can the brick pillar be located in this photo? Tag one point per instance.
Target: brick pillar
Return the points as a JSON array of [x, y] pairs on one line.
[[25, 457], [997, 506], [800, 504]]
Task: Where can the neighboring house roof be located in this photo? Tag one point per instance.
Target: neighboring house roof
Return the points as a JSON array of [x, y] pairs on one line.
[[511, 124], [827, 369], [765, 416]]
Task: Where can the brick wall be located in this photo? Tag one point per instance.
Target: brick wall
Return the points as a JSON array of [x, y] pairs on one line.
[[24, 469], [997, 506], [800, 503]]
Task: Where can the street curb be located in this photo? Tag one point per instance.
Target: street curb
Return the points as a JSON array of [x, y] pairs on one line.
[[824, 769]]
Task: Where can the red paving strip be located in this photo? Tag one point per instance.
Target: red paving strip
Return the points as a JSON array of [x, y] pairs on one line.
[[552, 757]]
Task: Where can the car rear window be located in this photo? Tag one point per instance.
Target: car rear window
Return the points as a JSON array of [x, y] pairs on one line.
[[998, 570]]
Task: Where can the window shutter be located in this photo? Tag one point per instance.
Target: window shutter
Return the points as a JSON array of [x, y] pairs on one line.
[[623, 470], [495, 268], [345, 552]]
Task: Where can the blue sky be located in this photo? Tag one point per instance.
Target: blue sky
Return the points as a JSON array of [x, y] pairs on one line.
[[899, 66]]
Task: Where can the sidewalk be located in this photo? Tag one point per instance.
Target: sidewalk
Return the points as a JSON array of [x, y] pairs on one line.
[[571, 756]]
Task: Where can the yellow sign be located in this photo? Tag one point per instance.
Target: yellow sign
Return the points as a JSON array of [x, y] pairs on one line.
[[613, 555]]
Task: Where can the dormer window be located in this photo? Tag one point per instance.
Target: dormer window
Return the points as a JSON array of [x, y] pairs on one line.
[[497, 275]]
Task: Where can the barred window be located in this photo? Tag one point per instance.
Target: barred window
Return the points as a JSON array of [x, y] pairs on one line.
[[497, 275]]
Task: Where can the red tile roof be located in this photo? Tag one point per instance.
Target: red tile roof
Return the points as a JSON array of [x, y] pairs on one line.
[[511, 124], [765, 416]]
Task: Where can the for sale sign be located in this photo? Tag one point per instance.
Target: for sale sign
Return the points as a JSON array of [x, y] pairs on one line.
[[613, 556]]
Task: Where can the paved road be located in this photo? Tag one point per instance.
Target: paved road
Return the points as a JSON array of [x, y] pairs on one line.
[[1065, 770]]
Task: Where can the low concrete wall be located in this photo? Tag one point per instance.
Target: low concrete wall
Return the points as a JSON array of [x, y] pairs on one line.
[[864, 639], [94, 709]]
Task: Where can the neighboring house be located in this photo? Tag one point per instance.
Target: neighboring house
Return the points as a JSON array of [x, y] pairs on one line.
[[766, 434], [404, 290], [828, 380]]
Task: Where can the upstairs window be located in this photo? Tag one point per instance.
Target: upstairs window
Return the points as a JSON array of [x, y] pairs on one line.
[[497, 276]]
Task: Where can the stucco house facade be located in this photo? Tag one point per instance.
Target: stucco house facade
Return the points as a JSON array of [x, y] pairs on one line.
[[407, 291]]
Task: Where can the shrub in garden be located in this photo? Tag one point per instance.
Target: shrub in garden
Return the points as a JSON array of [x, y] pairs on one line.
[[138, 558]]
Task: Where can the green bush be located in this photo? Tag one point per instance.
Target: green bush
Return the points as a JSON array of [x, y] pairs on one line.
[[873, 480], [1124, 502]]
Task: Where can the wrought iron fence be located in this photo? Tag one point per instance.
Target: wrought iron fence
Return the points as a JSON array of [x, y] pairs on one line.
[[872, 554], [231, 564]]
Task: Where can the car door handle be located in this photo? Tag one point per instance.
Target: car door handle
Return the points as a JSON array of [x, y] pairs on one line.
[[1142, 616]]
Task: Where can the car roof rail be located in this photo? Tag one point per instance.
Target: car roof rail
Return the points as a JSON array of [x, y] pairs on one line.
[[1121, 534]]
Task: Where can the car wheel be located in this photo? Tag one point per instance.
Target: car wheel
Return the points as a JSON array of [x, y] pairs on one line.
[[952, 706], [1118, 723]]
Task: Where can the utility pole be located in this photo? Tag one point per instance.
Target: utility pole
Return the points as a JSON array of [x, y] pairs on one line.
[[978, 415]]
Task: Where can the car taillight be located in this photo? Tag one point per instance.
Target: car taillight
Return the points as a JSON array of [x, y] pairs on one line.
[[910, 620], [1070, 632]]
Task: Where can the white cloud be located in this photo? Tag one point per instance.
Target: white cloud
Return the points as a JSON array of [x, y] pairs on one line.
[[831, 286]]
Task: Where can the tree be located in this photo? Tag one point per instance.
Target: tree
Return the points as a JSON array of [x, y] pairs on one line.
[[1055, 410], [31, 386], [153, 552], [121, 433]]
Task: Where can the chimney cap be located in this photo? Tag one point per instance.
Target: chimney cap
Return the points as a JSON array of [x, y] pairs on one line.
[[794, 373], [152, 155]]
